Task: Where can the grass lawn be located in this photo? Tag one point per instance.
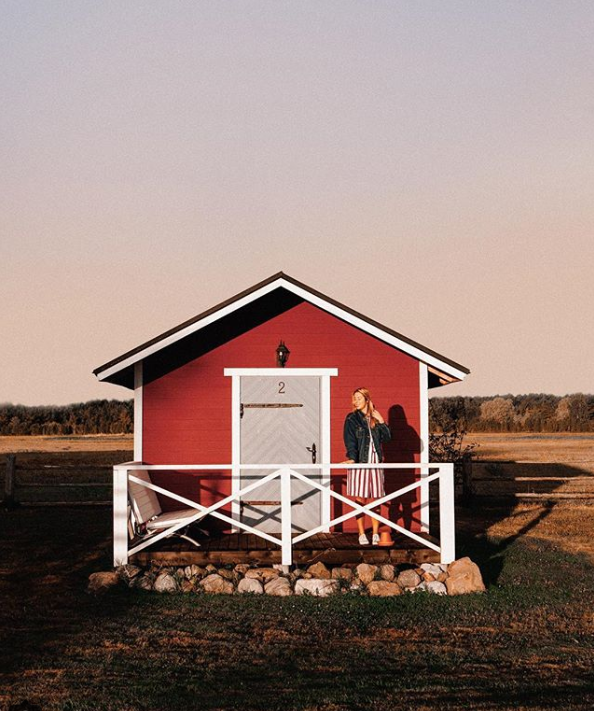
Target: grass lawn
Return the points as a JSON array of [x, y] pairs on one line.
[[527, 644]]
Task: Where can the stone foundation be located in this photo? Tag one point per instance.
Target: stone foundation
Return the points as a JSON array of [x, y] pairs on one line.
[[460, 577]]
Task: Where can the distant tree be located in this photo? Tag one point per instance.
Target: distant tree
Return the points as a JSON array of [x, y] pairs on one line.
[[499, 410]]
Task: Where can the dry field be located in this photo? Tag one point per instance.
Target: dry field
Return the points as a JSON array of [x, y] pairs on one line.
[[82, 443], [567, 448], [564, 448]]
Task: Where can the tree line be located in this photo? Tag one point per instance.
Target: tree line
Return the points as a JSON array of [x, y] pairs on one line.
[[94, 417], [509, 413], [513, 413]]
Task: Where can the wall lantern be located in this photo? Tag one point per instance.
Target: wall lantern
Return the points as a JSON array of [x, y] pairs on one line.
[[282, 355]]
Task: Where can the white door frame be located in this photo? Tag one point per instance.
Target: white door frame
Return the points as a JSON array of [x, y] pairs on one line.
[[324, 374]]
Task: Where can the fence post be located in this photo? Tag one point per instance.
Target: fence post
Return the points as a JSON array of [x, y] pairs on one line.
[[467, 489], [447, 513], [286, 525], [120, 516], [10, 502]]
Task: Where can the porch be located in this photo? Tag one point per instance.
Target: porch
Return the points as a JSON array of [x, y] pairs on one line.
[[322, 543], [329, 548]]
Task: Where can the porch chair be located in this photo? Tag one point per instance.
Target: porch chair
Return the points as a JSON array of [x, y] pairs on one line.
[[147, 513]]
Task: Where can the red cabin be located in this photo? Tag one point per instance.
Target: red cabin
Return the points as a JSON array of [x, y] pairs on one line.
[[262, 382]]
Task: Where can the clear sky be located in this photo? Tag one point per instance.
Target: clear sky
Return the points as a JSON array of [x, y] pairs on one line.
[[430, 164]]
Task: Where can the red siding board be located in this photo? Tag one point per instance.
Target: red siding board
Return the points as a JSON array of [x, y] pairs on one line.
[[187, 412]]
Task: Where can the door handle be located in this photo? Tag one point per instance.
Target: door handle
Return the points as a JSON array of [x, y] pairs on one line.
[[313, 451]]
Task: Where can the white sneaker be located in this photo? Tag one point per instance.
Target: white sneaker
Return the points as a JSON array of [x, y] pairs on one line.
[[375, 540], [363, 540]]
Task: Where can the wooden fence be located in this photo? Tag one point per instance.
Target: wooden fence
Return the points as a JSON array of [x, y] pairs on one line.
[[58, 478], [85, 479], [554, 481]]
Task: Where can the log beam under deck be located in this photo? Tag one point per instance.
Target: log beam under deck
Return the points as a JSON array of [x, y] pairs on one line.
[[331, 548]]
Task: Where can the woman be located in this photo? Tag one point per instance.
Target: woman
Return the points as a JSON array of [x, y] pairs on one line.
[[364, 432]]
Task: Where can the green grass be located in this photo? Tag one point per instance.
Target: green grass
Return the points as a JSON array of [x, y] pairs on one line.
[[528, 643]]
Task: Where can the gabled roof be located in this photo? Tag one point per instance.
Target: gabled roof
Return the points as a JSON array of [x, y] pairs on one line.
[[276, 294]]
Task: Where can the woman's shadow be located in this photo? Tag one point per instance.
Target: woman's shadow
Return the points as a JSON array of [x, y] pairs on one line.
[[405, 444]]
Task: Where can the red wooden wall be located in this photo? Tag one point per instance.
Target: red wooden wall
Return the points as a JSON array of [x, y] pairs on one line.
[[187, 412]]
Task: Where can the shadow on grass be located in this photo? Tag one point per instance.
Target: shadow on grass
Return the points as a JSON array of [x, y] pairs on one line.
[[488, 553]]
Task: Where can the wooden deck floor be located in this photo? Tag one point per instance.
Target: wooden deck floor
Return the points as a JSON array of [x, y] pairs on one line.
[[333, 548]]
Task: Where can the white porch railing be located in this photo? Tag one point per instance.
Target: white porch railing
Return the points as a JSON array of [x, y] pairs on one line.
[[443, 472]]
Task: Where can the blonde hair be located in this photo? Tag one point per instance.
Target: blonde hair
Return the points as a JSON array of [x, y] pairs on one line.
[[367, 395]]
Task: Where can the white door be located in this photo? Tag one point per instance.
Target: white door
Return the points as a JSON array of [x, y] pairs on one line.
[[280, 424]]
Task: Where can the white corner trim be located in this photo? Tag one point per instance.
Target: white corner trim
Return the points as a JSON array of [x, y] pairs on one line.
[[138, 414], [424, 441], [235, 446], [325, 427], [321, 303]]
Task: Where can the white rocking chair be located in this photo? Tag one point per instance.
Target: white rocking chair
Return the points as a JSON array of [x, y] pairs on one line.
[[147, 515]]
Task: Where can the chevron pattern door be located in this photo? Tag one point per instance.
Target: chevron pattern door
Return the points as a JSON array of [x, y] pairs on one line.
[[280, 424]]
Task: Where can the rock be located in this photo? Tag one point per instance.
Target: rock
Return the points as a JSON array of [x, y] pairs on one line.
[[387, 572], [144, 582], [320, 587], [342, 574], [250, 585], [431, 568], [279, 587], [227, 574], [211, 568], [187, 586], [408, 579], [383, 588], [427, 577], [319, 570], [437, 588], [165, 583], [241, 568], [101, 582], [297, 573], [128, 573], [213, 583], [264, 574], [307, 576], [193, 571], [442, 577], [366, 573], [464, 577]]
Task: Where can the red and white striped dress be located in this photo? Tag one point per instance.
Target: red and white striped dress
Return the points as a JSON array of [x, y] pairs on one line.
[[366, 483]]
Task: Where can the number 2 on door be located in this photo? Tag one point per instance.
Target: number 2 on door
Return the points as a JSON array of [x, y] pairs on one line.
[[281, 388]]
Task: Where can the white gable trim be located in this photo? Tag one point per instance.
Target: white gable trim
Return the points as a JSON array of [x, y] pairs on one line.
[[321, 303]]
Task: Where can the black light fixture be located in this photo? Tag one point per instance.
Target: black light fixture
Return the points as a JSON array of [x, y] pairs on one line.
[[282, 355]]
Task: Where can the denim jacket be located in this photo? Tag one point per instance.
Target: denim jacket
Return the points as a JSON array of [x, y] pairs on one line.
[[356, 437]]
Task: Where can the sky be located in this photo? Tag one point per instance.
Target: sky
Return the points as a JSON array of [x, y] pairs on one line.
[[429, 164]]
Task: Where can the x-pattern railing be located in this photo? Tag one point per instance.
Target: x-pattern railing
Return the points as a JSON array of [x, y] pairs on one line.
[[125, 472]]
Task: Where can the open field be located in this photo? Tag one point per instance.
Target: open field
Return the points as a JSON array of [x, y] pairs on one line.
[[565, 448], [528, 643], [562, 447], [82, 443]]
